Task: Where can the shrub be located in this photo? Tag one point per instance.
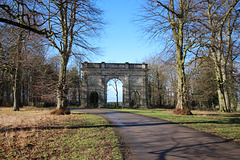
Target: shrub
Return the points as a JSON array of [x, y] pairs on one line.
[[60, 112], [184, 111]]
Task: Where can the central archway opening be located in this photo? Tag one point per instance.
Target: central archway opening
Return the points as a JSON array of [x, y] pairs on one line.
[[114, 93]]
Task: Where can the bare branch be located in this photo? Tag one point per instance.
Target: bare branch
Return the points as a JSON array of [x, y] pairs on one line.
[[170, 10], [41, 32]]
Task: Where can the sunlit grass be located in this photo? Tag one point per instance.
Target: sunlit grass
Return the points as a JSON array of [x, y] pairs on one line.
[[226, 125], [75, 136]]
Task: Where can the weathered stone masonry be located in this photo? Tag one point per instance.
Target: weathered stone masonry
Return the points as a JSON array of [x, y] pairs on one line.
[[96, 76]]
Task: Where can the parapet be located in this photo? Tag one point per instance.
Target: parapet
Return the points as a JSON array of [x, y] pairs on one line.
[[103, 65]]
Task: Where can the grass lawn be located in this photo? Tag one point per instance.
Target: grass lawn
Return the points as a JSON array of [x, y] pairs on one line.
[[35, 134], [226, 125]]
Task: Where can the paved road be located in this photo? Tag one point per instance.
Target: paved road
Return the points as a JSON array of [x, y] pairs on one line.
[[155, 139]]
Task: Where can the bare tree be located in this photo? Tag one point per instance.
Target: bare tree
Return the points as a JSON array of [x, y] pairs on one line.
[[202, 84], [171, 19], [20, 13], [69, 25], [218, 21], [18, 64], [72, 23], [12, 59], [231, 31], [161, 92]]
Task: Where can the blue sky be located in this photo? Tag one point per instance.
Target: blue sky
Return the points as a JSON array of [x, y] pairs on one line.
[[122, 41]]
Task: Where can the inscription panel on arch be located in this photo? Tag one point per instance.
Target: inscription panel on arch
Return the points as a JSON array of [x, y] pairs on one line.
[[106, 73]]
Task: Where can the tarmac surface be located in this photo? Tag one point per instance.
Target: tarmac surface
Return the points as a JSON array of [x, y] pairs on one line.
[[147, 138]]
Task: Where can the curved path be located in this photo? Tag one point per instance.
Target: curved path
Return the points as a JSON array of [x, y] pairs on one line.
[[150, 139]]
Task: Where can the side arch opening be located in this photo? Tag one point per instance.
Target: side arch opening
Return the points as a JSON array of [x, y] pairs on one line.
[[135, 100], [94, 99]]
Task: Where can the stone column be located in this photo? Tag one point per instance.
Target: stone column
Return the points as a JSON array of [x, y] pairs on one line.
[[145, 90], [126, 89], [103, 92], [84, 90], [144, 93]]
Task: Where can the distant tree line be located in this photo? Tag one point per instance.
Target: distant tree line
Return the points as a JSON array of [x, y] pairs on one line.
[[201, 85], [36, 71]]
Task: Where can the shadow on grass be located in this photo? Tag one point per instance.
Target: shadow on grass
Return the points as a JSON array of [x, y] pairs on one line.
[[220, 115], [2, 130], [78, 110], [220, 121]]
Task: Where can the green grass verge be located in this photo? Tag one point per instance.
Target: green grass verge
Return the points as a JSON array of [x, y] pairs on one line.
[[225, 125], [77, 136]]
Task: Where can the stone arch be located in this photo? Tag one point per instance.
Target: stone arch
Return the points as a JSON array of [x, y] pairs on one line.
[[95, 76], [108, 78]]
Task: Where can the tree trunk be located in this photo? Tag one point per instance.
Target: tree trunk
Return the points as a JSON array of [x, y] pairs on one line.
[[178, 34], [116, 91], [180, 58], [62, 89], [117, 98], [181, 95], [23, 94], [16, 91], [2, 79], [223, 96], [225, 87], [17, 76], [232, 86]]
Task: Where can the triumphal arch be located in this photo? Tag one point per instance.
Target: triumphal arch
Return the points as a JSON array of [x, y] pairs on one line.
[[95, 77]]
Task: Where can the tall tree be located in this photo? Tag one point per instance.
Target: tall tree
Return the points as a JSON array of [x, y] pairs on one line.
[[232, 30], [19, 13], [27, 59], [172, 18], [16, 70], [12, 60], [72, 23], [217, 19], [202, 84], [161, 92], [69, 25]]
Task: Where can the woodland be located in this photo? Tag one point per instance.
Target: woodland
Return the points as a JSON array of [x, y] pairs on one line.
[[199, 67]]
